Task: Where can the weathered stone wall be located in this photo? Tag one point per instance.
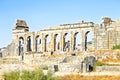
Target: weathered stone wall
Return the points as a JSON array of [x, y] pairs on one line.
[[67, 67], [107, 34], [107, 68]]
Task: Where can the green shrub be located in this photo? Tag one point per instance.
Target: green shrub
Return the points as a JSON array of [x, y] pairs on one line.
[[98, 63], [116, 47], [32, 75], [12, 75], [29, 75]]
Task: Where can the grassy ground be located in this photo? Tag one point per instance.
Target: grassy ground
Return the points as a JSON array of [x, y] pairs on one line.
[[78, 77], [37, 74], [41, 76]]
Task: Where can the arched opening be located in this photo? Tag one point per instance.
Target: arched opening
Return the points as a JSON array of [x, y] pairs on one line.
[[88, 40], [29, 44], [21, 45], [37, 43], [77, 41], [56, 42], [66, 42], [47, 43]]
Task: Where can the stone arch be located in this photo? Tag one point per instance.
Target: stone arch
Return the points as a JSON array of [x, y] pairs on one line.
[[77, 41], [21, 45], [47, 42], [66, 42], [88, 40], [37, 43], [56, 42], [29, 44]]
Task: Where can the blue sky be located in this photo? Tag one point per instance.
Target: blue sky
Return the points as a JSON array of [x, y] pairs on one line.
[[44, 13]]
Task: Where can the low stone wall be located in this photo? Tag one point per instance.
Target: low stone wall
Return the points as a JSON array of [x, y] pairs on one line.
[[67, 67], [107, 68]]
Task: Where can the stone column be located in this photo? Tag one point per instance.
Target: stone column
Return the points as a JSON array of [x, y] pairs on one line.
[[83, 41], [33, 43], [43, 43], [61, 42], [93, 39], [71, 42], [52, 42]]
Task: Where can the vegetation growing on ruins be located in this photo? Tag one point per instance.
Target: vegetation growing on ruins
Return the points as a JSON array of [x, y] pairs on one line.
[[98, 63], [29, 75], [116, 47], [39, 75]]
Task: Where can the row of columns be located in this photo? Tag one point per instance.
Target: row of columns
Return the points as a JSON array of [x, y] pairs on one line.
[[52, 40]]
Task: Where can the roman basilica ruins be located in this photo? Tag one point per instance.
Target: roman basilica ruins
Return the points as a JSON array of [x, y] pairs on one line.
[[65, 38]]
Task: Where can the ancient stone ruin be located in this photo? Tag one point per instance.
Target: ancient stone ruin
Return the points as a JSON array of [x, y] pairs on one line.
[[80, 37], [63, 38]]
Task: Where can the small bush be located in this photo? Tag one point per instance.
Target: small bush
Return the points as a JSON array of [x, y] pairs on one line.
[[116, 47], [98, 63], [11, 76], [29, 75], [33, 75]]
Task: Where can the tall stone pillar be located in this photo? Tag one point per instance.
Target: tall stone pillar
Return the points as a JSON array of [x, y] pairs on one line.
[[71, 42], [61, 41], [94, 40], [43, 43], [83, 41], [33, 43], [52, 42]]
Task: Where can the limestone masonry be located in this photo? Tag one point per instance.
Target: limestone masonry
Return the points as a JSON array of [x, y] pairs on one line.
[[54, 40]]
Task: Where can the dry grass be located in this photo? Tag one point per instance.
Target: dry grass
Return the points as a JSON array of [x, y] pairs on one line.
[[103, 51], [78, 77], [52, 56], [55, 55], [111, 60]]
